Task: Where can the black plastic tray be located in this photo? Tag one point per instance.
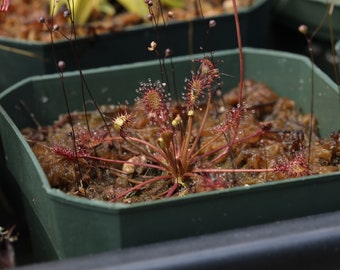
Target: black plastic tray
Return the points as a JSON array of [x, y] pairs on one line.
[[311, 242]]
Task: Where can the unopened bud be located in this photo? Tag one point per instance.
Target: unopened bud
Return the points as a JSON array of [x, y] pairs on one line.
[[168, 52], [148, 2], [61, 65], [56, 27], [177, 121], [150, 17], [161, 143], [212, 23], [41, 19], [170, 14], [67, 13], [153, 46], [303, 29]]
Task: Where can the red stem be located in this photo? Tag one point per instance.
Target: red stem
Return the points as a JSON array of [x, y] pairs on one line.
[[239, 44], [118, 161], [233, 170], [152, 180]]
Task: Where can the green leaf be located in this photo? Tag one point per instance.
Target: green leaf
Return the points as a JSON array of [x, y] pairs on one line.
[[136, 6], [82, 9], [139, 7]]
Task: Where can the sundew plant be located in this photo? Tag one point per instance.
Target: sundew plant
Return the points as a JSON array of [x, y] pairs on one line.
[[169, 144]]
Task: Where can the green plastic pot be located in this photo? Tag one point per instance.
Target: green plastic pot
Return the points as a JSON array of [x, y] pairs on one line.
[[293, 13], [64, 226], [131, 44]]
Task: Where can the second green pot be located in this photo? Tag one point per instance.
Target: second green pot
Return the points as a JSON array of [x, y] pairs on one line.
[[130, 45]]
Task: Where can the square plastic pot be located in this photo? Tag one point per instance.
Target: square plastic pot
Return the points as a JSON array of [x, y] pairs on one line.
[[131, 44], [65, 226], [309, 12]]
